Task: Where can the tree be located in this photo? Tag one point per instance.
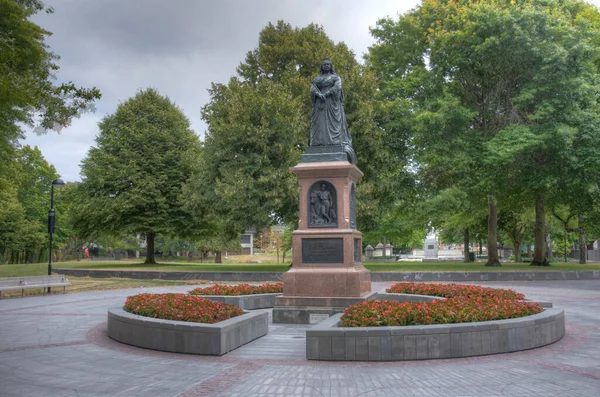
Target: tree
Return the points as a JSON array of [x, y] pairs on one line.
[[132, 180], [495, 89], [27, 194], [27, 66], [452, 211], [217, 244], [258, 128]]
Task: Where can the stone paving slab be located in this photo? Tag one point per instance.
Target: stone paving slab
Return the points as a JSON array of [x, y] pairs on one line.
[[57, 346]]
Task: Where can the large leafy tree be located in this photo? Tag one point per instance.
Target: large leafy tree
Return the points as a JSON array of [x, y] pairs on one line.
[[27, 92], [132, 180], [258, 127], [497, 90], [26, 204]]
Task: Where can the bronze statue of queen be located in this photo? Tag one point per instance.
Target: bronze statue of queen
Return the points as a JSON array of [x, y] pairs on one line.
[[328, 126]]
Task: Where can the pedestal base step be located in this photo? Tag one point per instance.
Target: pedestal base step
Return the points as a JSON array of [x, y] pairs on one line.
[[303, 314], [313, 310]]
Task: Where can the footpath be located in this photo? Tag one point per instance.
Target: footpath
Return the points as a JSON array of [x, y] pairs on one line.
[[57, 346]]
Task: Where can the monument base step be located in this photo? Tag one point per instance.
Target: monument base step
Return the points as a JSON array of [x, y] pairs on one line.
[[313, 310], [303, 314]]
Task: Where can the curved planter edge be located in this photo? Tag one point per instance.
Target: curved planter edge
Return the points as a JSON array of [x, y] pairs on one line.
[[329, 341], [246, 302], [186, 337]]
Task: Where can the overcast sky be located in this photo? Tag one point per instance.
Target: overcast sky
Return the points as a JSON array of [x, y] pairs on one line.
[[178, 47]]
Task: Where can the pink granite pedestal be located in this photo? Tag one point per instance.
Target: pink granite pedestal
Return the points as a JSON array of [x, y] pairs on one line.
[[327, 273]]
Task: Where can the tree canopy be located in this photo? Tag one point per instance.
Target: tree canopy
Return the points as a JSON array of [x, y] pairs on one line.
[[132, 179], [258, 127], [27, 93], [496, 94]]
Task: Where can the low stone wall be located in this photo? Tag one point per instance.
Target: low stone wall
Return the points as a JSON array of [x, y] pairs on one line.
[[328, 341], [375, 276], [174, 275], [486, 276], [186, 337], [246, 302]]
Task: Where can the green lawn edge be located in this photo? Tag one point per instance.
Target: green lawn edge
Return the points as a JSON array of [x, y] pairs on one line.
[[35, 269]]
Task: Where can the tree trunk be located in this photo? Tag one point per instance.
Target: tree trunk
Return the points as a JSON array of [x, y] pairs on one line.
[[516, 237], [150, 249], [582, 245], [539, 249], [492, 243], [549, 253], [466, 252], [218, 257]]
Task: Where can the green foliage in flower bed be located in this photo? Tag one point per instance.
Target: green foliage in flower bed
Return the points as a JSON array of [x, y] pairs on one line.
[[180, 307], [241, 289], [463, 304]]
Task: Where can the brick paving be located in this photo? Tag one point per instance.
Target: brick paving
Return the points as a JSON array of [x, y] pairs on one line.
[[57, 346]]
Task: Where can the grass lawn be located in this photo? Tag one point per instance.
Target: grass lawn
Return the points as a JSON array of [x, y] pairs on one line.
[[80, 284], [38, 269], [271, 266]]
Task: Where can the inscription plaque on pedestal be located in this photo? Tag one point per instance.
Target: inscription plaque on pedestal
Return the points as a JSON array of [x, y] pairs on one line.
[[322, 250]]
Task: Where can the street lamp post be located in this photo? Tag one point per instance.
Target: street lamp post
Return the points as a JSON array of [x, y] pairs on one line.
[[58, 183]]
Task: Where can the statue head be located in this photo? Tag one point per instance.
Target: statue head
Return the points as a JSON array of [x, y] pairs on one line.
[[327, 66]]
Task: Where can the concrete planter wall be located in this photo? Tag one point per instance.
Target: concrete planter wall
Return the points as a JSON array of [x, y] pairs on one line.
[[186, 337], [246, 302], [328, 341]]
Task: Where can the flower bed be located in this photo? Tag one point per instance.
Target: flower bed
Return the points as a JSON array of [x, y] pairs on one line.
[[247, 297], [463, 320], [463, 304], [184, 336], [182, 323], [237, 290], [454, 290], [180, 307]]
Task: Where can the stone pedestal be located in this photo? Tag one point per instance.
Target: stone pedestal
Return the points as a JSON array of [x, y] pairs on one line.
[[327, 273], [431, 248]]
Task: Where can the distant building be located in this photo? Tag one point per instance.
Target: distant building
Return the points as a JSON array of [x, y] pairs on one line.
[[247, 243]]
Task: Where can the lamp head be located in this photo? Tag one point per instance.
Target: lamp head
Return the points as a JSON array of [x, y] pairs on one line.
[[57, 183]]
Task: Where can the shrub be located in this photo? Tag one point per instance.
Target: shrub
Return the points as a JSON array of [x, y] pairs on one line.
[[180, 307], [241, 289], [463, 303]]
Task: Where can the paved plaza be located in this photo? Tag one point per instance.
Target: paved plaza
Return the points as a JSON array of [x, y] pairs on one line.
[[57, 346]]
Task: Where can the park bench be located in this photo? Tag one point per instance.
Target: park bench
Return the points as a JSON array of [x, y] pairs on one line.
[[23, 283]]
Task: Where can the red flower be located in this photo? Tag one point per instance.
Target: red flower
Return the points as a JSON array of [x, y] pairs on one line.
[[462, 304], [241, 289], [180, 307]]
